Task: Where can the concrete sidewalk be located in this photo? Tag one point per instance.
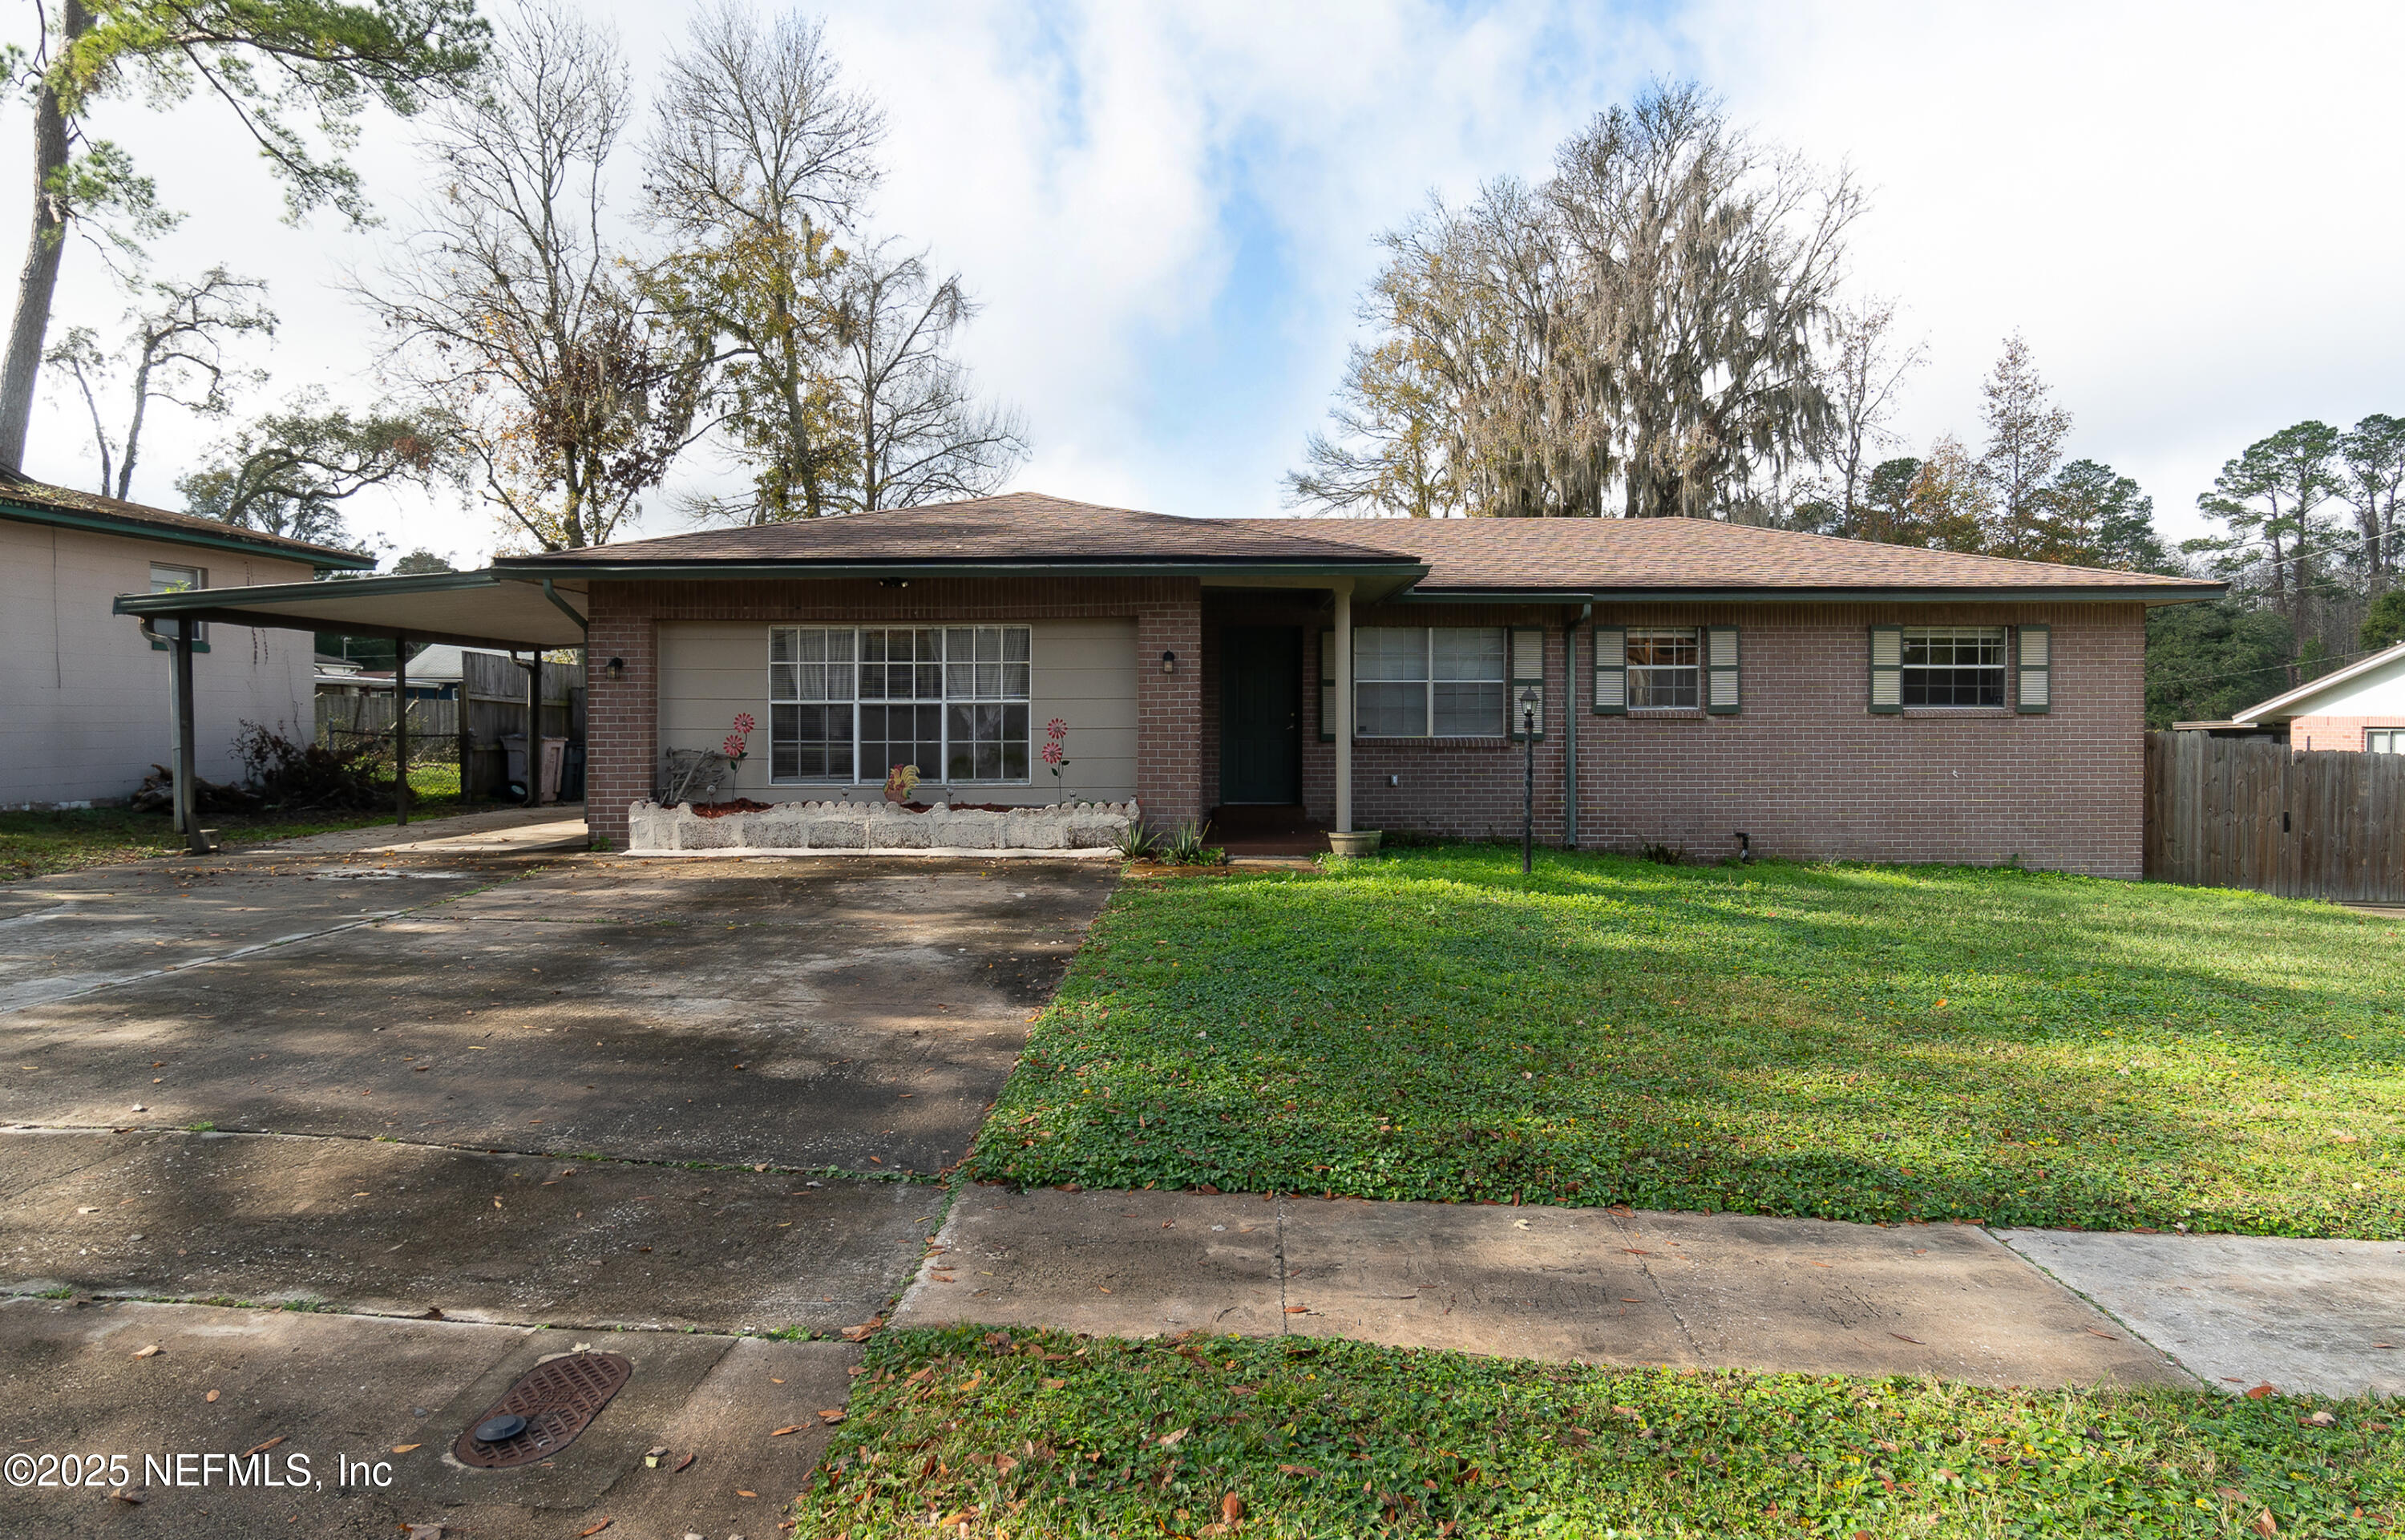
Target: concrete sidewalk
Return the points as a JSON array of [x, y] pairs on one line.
[[560, 826], [1586, 1285], [1611, 1286]]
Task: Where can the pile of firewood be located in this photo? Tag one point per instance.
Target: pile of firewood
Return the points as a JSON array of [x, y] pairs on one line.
[[157, 794]]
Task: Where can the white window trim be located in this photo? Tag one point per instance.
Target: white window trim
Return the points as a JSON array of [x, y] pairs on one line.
[[943, 700], [1629, 637], [1427, 682], [2002, 668]]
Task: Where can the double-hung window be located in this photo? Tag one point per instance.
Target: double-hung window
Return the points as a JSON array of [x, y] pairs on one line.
[[1953, 665], [851, 703], [1429, 682], [2383, 741], [1664, 666]]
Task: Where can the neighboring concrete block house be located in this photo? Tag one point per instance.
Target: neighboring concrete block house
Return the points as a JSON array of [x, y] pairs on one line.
[[84, 705], [1688, 679], [2360, 707]]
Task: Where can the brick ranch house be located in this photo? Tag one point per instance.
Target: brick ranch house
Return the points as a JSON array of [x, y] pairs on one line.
[[1691, 679]]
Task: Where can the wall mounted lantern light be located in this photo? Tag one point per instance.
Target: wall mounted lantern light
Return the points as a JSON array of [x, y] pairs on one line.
[[616, 667], [1169, 662]]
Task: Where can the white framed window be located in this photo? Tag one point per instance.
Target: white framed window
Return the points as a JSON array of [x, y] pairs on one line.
[[1431, 681], [849, 704], [2384, 739], [1665, 669], [1953, 666]]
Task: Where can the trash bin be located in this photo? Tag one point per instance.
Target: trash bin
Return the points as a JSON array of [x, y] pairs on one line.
[[555, 755]]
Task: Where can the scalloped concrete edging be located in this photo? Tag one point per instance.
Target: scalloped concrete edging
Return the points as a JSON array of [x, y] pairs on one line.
[[1076, 829]]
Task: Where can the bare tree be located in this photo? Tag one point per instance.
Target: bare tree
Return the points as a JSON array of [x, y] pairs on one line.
[[757, 157], [1388, 455], [1865, 372], [176, 352], [1643, 321], [2025, 435], [921, 436], [1702, 265], [510, 311]]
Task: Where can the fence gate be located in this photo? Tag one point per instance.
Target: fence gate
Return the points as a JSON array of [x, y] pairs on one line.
[[2247, 812]]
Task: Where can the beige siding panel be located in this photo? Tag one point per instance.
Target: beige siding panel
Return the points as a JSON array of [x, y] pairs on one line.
[[1084, 674], [83, 697]]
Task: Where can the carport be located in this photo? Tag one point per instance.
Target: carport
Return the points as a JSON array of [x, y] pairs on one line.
[[482, 609]]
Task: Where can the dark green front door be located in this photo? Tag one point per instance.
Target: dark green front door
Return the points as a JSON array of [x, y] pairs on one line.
[[1261, 699]]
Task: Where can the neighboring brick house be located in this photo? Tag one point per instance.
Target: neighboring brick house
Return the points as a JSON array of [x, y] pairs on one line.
[[84, 700], [1690, 678], [2360, 708]]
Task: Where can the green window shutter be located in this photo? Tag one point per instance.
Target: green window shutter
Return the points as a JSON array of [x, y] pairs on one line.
[[1611, 670], [1328, 686], [1887, 670], [1527, 672], [2035, 655], [1720, 670]]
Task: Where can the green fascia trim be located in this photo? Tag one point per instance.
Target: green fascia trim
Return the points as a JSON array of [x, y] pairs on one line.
[[716, 571], [415, 583], [134, 529]]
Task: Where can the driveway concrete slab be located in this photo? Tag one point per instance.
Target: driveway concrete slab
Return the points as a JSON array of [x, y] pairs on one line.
[[331, 1389], [1567, 1284], [1103, 1263], [847, 1014], [492, 821], [402, 1229], [2324, 1316], [62, 936]]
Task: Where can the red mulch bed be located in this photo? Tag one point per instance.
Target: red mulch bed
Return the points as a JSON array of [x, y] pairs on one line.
[[745, 804]]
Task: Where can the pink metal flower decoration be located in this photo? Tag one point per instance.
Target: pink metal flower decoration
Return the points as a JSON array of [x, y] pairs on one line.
[[1052, 751], [1057, 728], [734, 746], [745, 722]]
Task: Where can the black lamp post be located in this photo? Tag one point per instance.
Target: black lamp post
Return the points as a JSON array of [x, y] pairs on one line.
[[1529, 790]]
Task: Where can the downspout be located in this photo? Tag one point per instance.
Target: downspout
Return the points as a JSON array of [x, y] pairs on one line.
[[1570, 726]]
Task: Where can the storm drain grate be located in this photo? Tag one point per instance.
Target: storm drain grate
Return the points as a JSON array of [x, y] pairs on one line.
[[543, 1412]]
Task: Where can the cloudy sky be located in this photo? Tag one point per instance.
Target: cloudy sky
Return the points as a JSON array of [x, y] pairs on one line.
[[2188, 209]]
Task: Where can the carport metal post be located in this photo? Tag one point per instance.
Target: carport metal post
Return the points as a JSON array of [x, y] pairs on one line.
[[534, 728], [179, 676], [400, 729]]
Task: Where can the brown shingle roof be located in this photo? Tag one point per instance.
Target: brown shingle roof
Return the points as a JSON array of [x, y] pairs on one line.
[[36, 497], [1022, 527], [1468, 555]]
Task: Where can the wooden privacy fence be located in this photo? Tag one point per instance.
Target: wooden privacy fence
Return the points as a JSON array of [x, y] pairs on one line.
[[343, 720], [2249, 813], [492, 705]]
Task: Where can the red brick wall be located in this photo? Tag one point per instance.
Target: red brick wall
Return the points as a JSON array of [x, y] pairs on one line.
[[1804, 768], [2335, 732], [622, 753]]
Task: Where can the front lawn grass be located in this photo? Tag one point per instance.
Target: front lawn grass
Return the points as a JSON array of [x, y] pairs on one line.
[[35, 844], [1031, 1434], [1841, 1041]]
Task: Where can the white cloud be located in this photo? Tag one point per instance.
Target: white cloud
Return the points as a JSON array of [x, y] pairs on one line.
[[1168, 211]]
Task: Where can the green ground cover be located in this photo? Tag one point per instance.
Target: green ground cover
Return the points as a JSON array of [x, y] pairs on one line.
[[34, 845], [1839, 1041], [1029, 1433]]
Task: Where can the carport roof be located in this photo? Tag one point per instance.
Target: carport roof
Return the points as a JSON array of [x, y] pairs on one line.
[[469, 609]]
